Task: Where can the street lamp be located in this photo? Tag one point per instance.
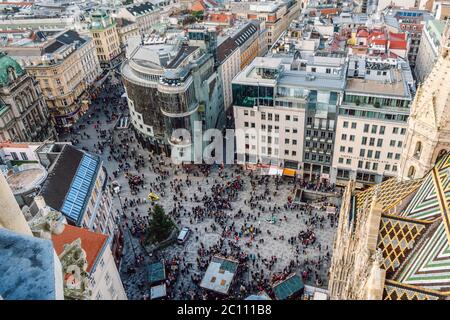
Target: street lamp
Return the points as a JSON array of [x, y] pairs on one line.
[[117, 192]]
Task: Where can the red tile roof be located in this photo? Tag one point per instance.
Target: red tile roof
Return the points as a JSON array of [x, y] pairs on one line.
[[329, 11], [397, 45], [91, 242], [362, 33], [9, 144], [198, 6]]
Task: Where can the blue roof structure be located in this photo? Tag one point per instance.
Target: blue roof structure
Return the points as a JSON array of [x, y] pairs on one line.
[[27, 267], [81, 187]]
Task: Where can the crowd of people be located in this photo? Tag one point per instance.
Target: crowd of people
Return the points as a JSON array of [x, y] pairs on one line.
[[239, 207]]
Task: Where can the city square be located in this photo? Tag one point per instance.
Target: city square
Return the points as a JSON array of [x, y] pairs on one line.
[[264, 209]]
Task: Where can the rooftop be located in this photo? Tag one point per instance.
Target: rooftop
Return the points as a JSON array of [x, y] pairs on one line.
[[396, 87], [26, 177], [219, 275], [70, 181], [92, 243], [27, 267]]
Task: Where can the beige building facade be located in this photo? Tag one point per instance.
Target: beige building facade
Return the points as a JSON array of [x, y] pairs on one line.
[[106, 37], [65, 73], [23, 112]]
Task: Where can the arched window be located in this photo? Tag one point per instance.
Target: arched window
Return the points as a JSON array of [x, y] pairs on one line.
[[411, 172], [418, 149]]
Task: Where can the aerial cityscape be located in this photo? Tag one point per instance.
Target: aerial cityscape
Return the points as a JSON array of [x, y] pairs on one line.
[[225, 150]]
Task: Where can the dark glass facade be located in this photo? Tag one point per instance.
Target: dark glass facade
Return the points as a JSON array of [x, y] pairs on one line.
[[249, 96]]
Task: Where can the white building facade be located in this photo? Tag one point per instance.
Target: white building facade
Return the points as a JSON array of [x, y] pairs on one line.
[[372, 122]]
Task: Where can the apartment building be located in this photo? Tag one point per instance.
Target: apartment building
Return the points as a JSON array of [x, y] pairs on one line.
[[286, 110], [372, 121], [429, 48], [106, 38], [411, 21], [76, 186], [235, 53], [277, 15], [144, 14], [23, 112], [66, 65], [104, 281]]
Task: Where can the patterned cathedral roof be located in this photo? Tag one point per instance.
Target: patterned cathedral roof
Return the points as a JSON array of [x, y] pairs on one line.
[[414, 234]]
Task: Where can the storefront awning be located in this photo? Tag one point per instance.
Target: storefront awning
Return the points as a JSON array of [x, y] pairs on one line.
[[289, 172]]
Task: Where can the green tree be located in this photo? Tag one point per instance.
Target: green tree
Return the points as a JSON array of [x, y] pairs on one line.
[[160, 226]]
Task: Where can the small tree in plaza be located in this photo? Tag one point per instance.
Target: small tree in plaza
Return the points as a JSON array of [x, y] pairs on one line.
[[160, 226]]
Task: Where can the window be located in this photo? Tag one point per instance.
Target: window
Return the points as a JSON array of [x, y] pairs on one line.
[[286, 152], [14, 156], [411, 172], [368, 165], [364, 141], [395, 130], [352, 137], [362, 152], [246, 124], [344, 137], [350, 150], [399, 144], [269, 117], [341, 160], [375, 166], [418, 149], [24, 156], [360, 164], [294, 130], [392, 143], [294, 142], [294, 153], [286, 141], [288, 118], [403, 131], [382, 129], [342, 148], [372, 142], [389, 155], [369, 153], [295, 118], [387, 167], [348, 161], [394, 168], [345, 124], [397, 156], [374, 128], [353, 125], [277, 117], [366, 128], [379, 142], [263, 116], [252, 124], [245, 112], [377, 154]]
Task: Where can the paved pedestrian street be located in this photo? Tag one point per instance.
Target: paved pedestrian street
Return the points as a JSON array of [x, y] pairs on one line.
[[231, 212]]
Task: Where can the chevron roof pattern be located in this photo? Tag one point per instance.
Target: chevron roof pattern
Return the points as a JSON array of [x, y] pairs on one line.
[[415, 242]]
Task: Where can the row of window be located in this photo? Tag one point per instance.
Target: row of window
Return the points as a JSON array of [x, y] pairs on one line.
[[323, 134], [317, 157], [320, 145], [269, 151], [270, 116]]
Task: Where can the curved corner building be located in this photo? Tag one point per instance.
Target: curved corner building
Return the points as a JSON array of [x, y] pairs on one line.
[[168, 87]]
